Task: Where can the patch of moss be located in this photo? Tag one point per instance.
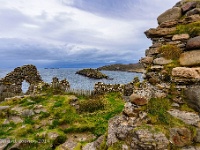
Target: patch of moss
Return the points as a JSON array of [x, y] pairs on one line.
[[170, 51], [116, 146], [185, 107], [157, 109], [193, 29]]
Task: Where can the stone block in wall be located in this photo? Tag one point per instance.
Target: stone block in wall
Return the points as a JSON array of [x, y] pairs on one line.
[[151, 51], [188, 6], [190, 19], [180, 37], [192, 94], [188, 73], [156, 68], [180, 136], [159, 32], [156, 45], [168, 24], [171, 14], [193, 43], [161, 61], [191, 58], [146, 60], [193, 12]]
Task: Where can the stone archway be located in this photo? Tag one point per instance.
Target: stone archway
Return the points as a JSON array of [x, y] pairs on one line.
[[11, 84]]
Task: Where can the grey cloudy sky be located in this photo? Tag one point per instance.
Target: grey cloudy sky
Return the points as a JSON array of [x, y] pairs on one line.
[[76, 33]]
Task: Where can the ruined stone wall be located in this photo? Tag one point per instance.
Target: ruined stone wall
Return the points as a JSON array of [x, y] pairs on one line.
[[125, 89], [174, 56], [172, 77], [11, 84]]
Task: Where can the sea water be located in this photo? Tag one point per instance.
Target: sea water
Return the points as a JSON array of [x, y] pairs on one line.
[[77, 81]]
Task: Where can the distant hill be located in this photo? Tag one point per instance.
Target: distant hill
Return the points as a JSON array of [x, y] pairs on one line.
[[123, 67]]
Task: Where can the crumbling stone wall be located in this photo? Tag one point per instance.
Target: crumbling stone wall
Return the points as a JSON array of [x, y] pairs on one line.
[[11, 84], [174, 56], [125, 89], [61, 85]]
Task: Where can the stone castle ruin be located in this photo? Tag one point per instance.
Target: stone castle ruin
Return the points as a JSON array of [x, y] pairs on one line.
[[11, 84]]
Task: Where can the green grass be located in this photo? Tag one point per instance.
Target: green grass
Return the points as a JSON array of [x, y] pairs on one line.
[[193, 29], [92, 117], [170, 51], [157, 109]]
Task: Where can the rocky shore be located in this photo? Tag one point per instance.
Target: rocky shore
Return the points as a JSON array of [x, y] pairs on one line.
[[138, 68]]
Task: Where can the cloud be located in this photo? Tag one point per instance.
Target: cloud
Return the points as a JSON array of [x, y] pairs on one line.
[[61, 32]]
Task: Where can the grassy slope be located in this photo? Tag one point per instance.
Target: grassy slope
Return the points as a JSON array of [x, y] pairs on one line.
[[60, 117]]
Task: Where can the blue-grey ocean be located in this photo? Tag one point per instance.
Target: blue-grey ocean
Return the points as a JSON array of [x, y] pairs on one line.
[[77, 81]]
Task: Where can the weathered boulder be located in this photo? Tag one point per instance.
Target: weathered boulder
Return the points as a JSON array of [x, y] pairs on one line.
[[22, 144], [168, 24], [4, 108], [171, 14], [129, 110], [74, 138], [56, 138], [191, 58], [39, 108], [146, 60], [188, 6], [138, 100], [180, 136], [159, 32], [27, 113], [178, 37], [187, 117], [190, 148], [184, 72], [192, 94], [4, 143], [156, 68], [151, 51], [193, 43], [161, 61], [197, 137], [112, 124], [191, 19], [149, 140], [193, 12]]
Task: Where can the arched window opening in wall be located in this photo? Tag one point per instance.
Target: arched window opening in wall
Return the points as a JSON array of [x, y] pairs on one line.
[[25, 86]]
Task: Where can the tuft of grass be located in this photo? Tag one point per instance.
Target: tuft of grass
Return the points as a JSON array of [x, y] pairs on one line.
[[157, 109], [170, 51], [29, 120], [193, 29], [91, 105], [116, 146]]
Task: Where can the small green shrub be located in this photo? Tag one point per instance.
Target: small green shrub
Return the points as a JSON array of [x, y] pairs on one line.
[[28, 120], [170, 51], [58, 103], [157, 108], [193, 29], [91, 105], [44, 115]]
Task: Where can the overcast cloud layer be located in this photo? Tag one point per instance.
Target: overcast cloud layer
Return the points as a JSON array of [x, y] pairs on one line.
[[76, 33]]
